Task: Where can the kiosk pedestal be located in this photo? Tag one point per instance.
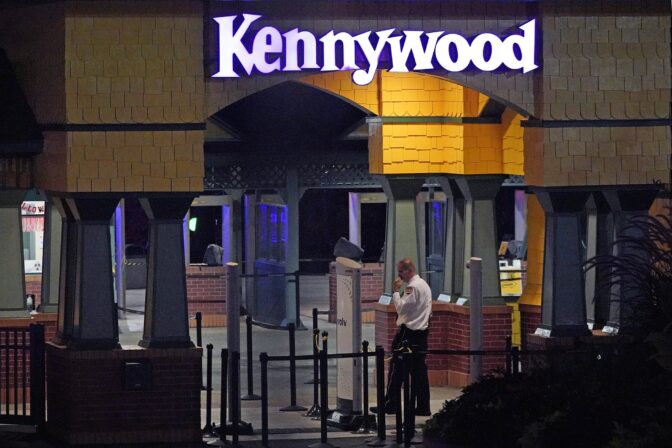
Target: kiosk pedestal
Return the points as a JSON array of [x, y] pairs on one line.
[[348, 413]]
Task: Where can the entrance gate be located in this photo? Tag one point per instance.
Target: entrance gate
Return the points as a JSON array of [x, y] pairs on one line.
[[22, 399]]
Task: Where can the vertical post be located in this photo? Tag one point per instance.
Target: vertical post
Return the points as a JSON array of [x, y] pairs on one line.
[[233, 324], [235, 390], [364, 429], [314, 319], [208, 391], [292, 372], [515, 358], [324, 381], [223, 391], [315, 409], [399, 360], [507, 348], [475, 318], [297, 300], [120, 253], [380, 398], [250, 383], [263, 359], [199, 334], [37, 398], [409, 405]]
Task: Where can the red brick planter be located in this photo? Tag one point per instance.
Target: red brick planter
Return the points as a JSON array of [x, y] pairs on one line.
[[449, 330], [206, 292]]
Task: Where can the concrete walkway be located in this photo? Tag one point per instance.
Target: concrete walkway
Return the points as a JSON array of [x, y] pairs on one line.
[[286, 429]]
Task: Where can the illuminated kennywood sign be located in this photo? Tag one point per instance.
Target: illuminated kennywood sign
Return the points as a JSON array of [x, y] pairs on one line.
[[269, 50]]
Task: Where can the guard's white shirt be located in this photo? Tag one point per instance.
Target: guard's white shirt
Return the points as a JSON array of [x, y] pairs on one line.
[[414, 307]]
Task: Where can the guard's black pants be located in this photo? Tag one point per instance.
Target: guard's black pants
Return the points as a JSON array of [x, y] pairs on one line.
[[417, 341]]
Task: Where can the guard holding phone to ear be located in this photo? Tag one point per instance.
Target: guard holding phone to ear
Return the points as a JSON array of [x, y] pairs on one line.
[[412, 298]]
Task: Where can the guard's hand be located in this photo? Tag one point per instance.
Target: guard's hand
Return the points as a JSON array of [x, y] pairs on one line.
[[396, 285]]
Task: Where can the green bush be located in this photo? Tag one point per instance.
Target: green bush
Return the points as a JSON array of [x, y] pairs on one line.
[[612, 399]]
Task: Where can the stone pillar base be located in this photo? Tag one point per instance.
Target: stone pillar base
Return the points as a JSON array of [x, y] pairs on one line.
[[124, 396], [560, 362]]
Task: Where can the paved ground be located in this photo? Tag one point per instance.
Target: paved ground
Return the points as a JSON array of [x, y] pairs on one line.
[[286, 429]]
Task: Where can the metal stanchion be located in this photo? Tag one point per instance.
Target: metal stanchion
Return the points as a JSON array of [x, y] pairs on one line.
[[409, 406], [398, 418], [199, 338], [380, 398], [366, 424], [292, 373], [250, 381], [199, 319], [207, 429], [263, 359], [507, 348], [235, 391], [222, 404], [515, 360], [314, 379], [324, 397], [315, 408]]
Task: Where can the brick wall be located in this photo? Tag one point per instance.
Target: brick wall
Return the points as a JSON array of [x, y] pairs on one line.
[[87, 402], [449, 330], [530, 319], [206, 293], [371, 284]]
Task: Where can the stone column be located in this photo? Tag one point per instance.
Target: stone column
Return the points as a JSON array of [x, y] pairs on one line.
[[454, 241], [166, 320], [232, 227], [599, 235], [402, 238], [250, 211], [480, 232], [87, 314], [625, 203], [51, 258], [563, 307], [292, 195], [12, 281]]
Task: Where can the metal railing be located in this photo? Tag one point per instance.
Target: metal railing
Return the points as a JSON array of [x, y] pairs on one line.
[[22, 369]]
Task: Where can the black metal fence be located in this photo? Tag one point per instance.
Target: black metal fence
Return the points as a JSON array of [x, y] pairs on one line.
[[22, 375]]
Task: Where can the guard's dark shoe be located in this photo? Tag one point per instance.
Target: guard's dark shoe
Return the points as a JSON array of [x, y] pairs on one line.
[[423, 412]]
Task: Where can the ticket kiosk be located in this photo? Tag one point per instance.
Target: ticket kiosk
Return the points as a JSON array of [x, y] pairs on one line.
[[348, 411]]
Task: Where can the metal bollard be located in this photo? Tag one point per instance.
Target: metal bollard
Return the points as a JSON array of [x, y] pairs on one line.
[[223, 397], [314, 379], [199, 338], [315, 408], [515, 359], [235, 391], [508, 362], [263, 359], [292, 373], [398, 418], [207, 429], [365, 427], [380, 398], [409, 402], [324, 394], [250, 381]]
